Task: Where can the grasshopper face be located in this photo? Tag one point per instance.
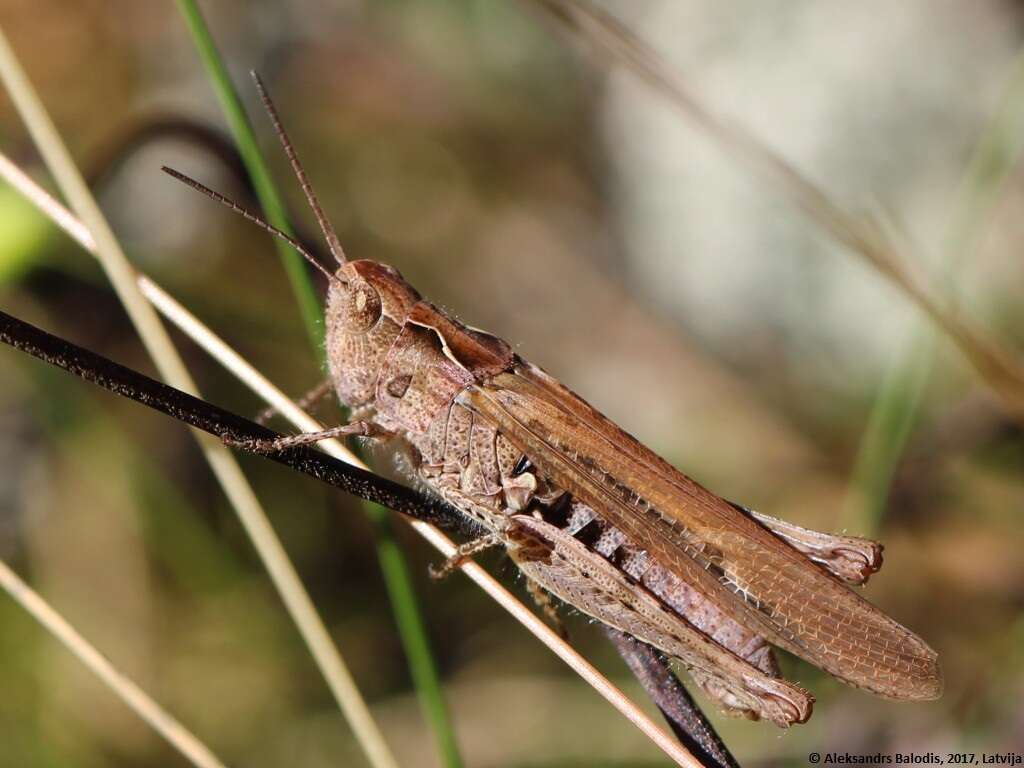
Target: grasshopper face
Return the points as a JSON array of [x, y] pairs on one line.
[[366, 308]]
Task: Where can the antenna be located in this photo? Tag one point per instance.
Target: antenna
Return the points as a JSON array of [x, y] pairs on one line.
[[189, 181], [325, 225]]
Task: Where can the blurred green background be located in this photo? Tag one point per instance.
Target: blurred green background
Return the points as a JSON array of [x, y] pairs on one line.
[[518, 185]]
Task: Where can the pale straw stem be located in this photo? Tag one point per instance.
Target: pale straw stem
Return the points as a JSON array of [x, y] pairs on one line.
[[137, 699]]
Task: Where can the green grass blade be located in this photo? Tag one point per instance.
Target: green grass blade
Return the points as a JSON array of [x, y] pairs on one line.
[[897, 404], [398, 581], [414, 636], [890, 425], [248, 147]]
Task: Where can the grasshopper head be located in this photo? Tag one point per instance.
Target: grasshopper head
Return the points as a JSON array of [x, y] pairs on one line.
[[367, 302], [366, 307]]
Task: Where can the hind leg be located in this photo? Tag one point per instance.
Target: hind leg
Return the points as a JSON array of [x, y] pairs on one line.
[[581, 577], [355, 429], [850, 558], [463, 553]]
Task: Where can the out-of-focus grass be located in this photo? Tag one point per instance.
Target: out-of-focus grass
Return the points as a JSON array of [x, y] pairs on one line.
[[408, 616], [24, 235], [864, 236], [897, 405]]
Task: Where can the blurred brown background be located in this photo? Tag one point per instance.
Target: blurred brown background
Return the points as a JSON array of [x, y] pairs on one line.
[[575, 214]]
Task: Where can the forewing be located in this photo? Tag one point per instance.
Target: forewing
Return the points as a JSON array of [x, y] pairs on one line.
[[748, 572]]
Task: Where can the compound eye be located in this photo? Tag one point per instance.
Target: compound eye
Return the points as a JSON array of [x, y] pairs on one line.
[[362, 310]]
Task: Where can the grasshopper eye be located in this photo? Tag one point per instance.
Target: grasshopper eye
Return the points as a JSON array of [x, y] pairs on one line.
[[362, 308]]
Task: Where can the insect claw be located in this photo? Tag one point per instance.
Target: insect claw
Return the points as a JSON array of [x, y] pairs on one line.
[[443, 571], [462, 554]]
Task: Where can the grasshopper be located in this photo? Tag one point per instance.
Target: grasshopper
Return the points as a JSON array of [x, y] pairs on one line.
[[587, 512]]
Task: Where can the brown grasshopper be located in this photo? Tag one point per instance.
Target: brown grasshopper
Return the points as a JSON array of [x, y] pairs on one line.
[[592, 516]]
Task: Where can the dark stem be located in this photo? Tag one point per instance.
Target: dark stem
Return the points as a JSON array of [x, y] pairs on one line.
[[221, 423], [684, 717]]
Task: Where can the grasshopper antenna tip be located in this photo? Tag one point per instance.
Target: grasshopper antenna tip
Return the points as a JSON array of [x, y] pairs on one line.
[[333, 243], [200, 187]]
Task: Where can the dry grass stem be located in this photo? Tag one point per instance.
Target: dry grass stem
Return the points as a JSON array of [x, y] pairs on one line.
[[137, 699], [252, 378], [172, 369]]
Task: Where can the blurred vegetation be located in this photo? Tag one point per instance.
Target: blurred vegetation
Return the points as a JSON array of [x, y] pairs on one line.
[[517, 186]]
